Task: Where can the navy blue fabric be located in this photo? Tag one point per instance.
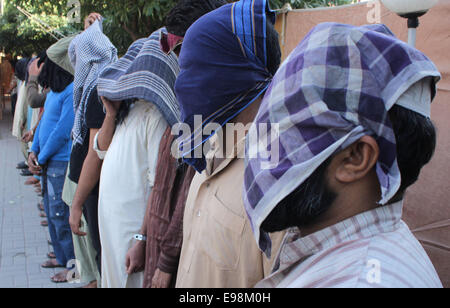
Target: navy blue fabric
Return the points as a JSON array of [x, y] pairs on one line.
[[222, 69]]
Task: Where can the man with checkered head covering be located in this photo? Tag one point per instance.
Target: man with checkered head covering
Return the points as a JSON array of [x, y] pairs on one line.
[[228, 59], [352, 111]]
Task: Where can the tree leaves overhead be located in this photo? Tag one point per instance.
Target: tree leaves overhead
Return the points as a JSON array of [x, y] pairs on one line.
[[307, 4], [125, 21]]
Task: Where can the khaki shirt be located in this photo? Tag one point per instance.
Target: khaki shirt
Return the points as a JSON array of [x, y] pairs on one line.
[[219, 249]]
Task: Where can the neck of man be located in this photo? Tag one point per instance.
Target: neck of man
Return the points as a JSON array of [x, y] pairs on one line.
[[246, 117], [352, 199]]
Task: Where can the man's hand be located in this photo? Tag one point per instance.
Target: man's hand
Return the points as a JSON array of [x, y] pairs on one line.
[[28, 136], [75, 221], [161, 280], [91, 19], [135, 259], [34, 70], [112, 108], [33, 164]]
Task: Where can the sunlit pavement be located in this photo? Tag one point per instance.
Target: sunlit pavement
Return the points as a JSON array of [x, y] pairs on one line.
[[23, 242]]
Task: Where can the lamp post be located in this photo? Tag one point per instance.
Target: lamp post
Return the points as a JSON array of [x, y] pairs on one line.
[[412, 10]]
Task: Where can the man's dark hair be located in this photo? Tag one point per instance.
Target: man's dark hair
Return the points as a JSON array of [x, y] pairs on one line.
[[308, 201], [416, 143], [54, 77], [22, 68], [273, 48], [186, 12], [42, 56]]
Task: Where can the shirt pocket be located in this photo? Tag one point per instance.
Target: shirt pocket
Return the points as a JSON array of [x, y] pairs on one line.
[[223, 234], [55, 185]]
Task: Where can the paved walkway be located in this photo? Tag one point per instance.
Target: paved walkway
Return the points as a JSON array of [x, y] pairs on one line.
[[23, 242]]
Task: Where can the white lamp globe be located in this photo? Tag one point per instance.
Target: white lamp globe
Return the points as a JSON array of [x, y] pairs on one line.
[[404, 7]]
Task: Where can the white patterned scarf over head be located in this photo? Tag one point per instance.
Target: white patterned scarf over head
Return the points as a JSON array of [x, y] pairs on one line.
[[90, 52]]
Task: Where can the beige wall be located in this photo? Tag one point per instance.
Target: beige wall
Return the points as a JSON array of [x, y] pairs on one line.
[[427, 208]]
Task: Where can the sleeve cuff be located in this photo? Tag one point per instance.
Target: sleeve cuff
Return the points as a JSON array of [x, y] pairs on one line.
[[167, 264]]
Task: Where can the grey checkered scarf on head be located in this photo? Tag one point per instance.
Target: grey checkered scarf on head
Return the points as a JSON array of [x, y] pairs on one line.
[[90, 52]]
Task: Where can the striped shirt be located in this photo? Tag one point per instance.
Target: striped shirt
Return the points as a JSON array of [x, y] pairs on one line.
[[375, 249]]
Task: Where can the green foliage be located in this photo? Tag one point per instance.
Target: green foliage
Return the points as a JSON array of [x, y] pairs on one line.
[[306, 4], [21, 36], [125, 21]]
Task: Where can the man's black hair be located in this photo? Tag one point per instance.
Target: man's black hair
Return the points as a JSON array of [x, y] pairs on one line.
[[21, 68], [186, 12], [416, 143], [54, 77], [308, 201], [42, 57]]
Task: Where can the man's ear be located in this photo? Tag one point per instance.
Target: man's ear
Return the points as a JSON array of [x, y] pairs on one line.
[[356, 161]]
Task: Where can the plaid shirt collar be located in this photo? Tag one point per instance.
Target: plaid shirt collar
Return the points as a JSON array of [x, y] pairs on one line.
[[365, 225]]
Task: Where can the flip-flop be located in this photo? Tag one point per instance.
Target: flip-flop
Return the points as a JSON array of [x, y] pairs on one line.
[[26, 172], [51, 255], [44, 223], [50, 264], [52, 279], [31, 181], [40, 206], [22, 166]]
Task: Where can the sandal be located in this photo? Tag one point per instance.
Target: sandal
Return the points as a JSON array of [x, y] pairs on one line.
[[51, 255], [52, 264], [61, 277], [40, 206], [44, 223], [31, 181]]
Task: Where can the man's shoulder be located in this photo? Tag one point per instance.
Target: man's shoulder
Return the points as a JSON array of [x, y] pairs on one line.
[[387, 260], [397, 259], [67, 94]]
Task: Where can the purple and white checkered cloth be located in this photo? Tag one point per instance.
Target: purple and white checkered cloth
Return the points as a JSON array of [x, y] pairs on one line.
[[336, 86]]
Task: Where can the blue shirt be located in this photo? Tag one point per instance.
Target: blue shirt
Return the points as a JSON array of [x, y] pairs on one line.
[[52, 140]]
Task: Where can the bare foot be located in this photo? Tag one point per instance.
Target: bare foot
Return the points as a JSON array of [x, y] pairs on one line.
[[51, 264], [91, 285], [61, 277]]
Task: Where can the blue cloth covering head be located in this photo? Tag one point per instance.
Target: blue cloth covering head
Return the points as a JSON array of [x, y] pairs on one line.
[[223, 65]]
